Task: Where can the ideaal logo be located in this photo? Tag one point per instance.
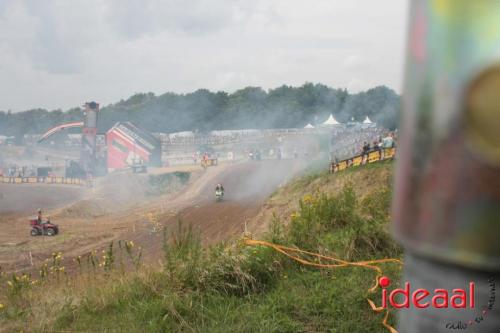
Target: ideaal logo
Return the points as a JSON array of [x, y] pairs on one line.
[[423, 298], [438, 298]]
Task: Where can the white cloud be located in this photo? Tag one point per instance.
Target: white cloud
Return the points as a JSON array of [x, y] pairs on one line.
[[58, 54], [354, 61]]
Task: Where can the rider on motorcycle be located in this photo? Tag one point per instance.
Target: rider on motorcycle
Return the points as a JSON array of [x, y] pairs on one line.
[[219, 188]]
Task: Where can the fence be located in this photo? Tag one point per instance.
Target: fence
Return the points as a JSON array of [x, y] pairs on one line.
[[371, 157], [43, 180]]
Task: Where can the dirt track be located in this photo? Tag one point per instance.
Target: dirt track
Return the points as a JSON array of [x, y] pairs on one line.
[[13, 197], [85, 226]]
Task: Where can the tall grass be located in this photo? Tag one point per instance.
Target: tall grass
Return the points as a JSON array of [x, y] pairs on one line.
[[225, 268], [340, 224]]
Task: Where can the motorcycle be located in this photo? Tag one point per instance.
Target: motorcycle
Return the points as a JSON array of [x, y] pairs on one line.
[[219, 194]]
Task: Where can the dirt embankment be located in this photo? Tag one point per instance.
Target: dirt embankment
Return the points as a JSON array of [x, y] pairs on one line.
[[285, 200], [120, 207], [88, 218], [247, 186]]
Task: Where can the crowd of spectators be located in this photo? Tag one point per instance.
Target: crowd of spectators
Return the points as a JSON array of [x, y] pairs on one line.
[[191, 138], [225, 137], [348, 142], [14, 170]]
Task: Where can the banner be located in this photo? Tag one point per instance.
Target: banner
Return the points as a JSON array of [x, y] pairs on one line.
[[371, 157]]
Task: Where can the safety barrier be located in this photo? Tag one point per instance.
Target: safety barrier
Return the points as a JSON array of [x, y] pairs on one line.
[[371, 157], [209, 162], [42, 180]]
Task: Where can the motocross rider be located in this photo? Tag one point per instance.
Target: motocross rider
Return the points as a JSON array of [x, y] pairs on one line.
[[219, 187]]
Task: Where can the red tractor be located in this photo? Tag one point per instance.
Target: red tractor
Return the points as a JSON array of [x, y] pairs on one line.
[[44, 228]]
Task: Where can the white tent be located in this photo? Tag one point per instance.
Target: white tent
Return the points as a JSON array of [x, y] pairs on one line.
[[331, 121], [185, 134], [309, 126], [367, 121]]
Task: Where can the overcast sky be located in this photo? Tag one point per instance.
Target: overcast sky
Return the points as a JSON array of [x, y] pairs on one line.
[[59, 53]]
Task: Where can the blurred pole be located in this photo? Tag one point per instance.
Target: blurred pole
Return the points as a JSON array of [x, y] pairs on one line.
[[446, 207], [89, 133]]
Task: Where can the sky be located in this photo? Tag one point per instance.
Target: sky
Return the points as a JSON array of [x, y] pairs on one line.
[[58, 54]]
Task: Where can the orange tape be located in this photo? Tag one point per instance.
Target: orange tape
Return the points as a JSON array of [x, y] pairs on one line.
[[370, 264]]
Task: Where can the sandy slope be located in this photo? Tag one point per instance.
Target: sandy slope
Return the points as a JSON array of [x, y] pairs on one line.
[[117, 209]]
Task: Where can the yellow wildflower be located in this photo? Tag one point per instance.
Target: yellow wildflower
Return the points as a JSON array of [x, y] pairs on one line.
[[307, 198]]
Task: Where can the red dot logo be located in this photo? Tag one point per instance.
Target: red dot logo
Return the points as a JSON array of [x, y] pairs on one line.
[[384, 282]]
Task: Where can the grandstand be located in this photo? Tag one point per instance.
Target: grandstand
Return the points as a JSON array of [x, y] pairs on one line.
[[345, 140]]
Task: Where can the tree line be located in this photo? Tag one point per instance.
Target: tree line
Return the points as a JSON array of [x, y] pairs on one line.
[[204, 110]]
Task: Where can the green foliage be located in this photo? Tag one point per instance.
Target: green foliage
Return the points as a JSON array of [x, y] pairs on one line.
[[167, 182], [230, 270], [183, 256], [239, 272], [339, 224], [109, 258], [276, 232], [203, 110]]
